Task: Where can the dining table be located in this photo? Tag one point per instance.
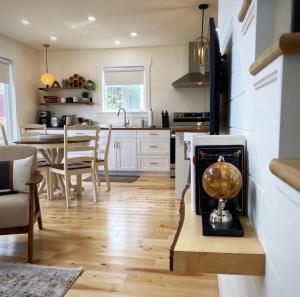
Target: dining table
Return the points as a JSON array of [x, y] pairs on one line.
[[52, 152]]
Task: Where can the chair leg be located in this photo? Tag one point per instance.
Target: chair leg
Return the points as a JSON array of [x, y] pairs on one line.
[[97, 175], [107, 178], [67, 187], [30, 244], [79, 184], [48, 183], [94, 184]]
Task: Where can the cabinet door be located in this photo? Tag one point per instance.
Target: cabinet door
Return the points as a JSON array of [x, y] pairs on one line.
[[112, 158], [126, 154]]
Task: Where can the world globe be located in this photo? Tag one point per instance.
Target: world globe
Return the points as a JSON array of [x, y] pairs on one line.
[[222, 180]]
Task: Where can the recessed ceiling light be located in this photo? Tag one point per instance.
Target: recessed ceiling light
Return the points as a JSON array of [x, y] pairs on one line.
[[54, 38], [91, 19], [25, 22], [133, 34], [117, 41]]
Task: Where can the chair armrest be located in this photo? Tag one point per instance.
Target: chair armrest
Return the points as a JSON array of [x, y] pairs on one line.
[[35, 179]]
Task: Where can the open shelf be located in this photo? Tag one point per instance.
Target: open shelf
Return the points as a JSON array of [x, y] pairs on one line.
[[74, 103], [194, 253], [61, 89]]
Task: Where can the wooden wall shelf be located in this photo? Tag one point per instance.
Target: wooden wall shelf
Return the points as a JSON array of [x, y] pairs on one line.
[[75, 103], [61, 89], [194, 253]]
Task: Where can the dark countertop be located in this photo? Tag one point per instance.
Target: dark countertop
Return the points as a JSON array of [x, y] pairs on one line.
[[117, 128], [189, 129]]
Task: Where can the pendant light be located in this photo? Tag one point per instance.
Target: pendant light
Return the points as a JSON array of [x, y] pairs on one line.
[[201, 43], [47, 78]]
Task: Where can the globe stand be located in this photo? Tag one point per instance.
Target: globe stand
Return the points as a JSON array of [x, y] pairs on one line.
[[220, 215]]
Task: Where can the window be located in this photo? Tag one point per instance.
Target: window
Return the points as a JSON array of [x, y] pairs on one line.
[[7, 106], [124, 87]]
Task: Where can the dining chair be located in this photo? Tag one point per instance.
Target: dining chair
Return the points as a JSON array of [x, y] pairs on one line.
[[104, 162], [20, 210], [31, 130], [3, 135], [80, 154], [27, 131]]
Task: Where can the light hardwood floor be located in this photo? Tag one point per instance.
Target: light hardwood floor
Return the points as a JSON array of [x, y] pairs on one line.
[[122, 242]]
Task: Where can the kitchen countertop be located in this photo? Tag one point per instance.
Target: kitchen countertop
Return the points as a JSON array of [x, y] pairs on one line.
[[116, 128], [175, 129]]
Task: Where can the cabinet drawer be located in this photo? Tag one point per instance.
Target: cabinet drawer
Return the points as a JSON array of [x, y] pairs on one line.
[[154, 163], [152, 134], [148, 146]]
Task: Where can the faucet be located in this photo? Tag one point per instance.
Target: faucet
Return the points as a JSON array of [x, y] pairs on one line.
[[126, 123]]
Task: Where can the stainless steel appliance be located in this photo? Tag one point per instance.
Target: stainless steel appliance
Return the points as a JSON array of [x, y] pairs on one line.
[[44, 118], [183, 122], [54, 122], [66, 120]]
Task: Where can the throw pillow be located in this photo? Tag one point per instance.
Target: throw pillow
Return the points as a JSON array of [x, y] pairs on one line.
[[22, 170]]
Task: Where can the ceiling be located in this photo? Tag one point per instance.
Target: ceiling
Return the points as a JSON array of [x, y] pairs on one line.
[[157, 22]]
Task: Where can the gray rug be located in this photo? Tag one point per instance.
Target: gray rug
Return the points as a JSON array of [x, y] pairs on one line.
[[26, 280]]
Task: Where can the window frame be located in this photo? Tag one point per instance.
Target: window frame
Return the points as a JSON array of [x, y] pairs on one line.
[[10, 102], [146, 89]]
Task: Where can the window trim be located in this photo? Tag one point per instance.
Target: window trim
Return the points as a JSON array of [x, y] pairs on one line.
[[10, 108], [147, 94]]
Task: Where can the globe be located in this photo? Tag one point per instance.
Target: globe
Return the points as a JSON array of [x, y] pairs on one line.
[[222, 180]]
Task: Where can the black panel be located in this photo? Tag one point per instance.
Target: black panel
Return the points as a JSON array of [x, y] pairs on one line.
[[296, 16], [207, 155]]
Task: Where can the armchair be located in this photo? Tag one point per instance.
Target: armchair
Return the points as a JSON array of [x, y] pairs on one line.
[[19, 211]]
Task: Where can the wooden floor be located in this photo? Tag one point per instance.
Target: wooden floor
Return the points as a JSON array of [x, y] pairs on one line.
[[122, 242]]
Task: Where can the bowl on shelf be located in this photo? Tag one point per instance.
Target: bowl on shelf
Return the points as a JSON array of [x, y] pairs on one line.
[[50, 99]]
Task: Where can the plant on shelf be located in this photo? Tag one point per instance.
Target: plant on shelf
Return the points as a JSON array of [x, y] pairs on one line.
[[90, 85], [85, 96], [65, 83]]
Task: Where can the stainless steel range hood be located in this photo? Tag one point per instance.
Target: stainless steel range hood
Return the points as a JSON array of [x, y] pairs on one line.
[[197, 77]]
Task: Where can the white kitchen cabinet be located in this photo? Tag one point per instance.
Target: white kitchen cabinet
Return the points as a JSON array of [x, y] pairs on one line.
[[126, 156], [154, 163]]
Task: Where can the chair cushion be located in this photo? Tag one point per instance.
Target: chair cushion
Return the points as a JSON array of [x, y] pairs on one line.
[[22, 174], [14, 210], [72, 166]]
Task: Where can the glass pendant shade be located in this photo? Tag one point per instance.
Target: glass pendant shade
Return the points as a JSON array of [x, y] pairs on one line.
[[200, 50], [47, 79]]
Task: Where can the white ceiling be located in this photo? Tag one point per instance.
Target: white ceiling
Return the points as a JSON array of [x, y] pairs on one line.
[[158, 22]]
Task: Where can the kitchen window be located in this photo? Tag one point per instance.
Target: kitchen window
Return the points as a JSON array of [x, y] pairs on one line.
[[124, 87], [7, 99]]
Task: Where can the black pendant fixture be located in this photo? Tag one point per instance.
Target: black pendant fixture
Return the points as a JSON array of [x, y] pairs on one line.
[[201, 43]]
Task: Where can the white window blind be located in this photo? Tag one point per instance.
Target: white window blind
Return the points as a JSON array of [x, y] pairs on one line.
[[124, 75], [4, 72]]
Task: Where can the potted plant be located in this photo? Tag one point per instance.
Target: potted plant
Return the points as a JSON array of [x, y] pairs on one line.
[[85, 96]]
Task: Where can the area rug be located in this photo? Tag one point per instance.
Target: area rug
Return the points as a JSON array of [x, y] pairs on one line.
[[116, 178], [26, 280]]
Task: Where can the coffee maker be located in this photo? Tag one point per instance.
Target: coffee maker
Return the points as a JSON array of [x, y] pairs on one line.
[[44, 118]]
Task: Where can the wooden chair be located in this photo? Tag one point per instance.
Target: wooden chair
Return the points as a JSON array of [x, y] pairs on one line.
[[84, 162], [19, 212], [31, 130], [104, 162], [3, 135], [27, 131]]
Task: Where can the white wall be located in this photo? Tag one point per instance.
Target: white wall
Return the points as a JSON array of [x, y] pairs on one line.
[[26, 65], [168, 63], [264, 109]]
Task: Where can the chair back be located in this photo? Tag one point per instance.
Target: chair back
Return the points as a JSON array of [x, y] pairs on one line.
[[81, 147], [107, 143], [3, 135], [17, 152], [27, 131]]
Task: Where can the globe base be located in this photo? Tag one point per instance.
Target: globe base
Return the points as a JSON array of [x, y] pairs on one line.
[[220, 215]]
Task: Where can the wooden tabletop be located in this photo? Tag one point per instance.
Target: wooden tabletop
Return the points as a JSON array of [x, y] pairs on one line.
[[195, 253], [287, 170], [36, 141]]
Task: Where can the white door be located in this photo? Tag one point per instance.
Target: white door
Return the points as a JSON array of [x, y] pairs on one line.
[[126, 154]]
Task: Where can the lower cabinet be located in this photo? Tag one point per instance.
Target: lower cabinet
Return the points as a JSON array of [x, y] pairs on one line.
[[153, 163]]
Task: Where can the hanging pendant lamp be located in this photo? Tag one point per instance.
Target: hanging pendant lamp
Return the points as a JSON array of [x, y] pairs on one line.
[[201, 43], [47, 78]]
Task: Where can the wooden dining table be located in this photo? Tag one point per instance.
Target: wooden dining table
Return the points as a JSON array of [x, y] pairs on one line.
[[52, 150]]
